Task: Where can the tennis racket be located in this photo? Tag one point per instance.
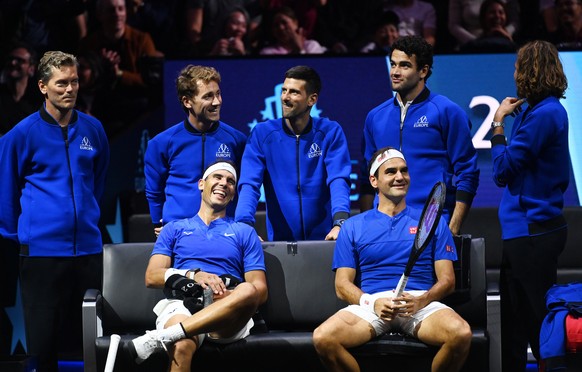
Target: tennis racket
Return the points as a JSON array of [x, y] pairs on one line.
[[429, 220]]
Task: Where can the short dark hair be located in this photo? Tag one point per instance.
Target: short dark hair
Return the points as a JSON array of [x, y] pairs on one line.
[[417, 46], [307, 74]]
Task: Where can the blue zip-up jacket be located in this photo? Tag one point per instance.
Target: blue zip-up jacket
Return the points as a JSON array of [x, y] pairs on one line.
[[175, 161], [52, 180], [561, 300], [534, 169], [435, 138], [306, 178]]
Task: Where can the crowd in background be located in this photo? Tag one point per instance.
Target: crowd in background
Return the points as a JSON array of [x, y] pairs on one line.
[[121, 44]]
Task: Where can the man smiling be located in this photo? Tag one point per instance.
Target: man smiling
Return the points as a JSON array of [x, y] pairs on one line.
[[208, 250], [370, 252], [176, 158], [303, 163]]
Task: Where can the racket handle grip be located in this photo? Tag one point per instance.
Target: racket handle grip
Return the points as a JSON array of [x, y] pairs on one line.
[[208, 296], [401, 285], [112, 353]]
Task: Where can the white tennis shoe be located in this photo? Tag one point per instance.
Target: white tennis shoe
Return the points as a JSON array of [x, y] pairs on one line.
[[144, 346]]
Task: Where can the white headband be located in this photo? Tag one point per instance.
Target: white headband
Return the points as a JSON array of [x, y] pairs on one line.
[[384, 157], [220, 166]]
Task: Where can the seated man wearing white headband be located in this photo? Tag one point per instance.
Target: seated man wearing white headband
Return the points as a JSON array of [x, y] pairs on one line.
[[193, 256], [371, 252]]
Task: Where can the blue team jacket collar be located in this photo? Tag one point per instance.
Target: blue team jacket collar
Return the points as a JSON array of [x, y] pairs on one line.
[[306, 130], [423, 96], [49, 119], [195, 131]]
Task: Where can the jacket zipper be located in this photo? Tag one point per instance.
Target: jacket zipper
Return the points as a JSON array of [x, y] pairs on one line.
[[403, 112], [65, 132], [203, 153], [299, 186]]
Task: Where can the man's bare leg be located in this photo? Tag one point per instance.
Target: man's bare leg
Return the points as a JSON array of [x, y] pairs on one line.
[[446, 328], [224, 318], [341, 331], [182, 352]]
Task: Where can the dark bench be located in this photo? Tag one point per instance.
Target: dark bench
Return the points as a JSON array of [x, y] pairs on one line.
[[301, 296]]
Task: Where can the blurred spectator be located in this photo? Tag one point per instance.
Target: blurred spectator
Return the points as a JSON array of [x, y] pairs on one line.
[[548, 13], [465, 22], [19, 93], [495, 37], [416, 18], [157, 18], [288, 37], [386, 32], [536, 20], [120, 44], [568, 36], [128, 55], [234, 41], [93, 86], [53, 24], [307, 12], [345, 26], [204, 20]]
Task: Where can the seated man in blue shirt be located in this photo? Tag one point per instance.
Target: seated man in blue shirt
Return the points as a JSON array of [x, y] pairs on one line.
[[208, 250], [371, 252]]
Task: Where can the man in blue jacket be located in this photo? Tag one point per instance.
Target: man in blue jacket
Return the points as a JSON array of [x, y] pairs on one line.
[[534, 170], [176, 158], [52, 177], [303, 163], [433, 132]]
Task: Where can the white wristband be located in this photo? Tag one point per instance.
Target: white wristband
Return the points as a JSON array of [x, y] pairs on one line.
[[367, 302], [171, 271]]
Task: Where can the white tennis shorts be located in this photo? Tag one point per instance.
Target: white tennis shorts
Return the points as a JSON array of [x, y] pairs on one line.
[[165, 309], [405, 324]]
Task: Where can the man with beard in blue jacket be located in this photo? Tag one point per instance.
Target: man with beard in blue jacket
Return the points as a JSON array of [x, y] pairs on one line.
[[52, 178], [303, 163]]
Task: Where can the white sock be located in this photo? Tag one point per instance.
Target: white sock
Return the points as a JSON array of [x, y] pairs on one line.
[[173, 333]]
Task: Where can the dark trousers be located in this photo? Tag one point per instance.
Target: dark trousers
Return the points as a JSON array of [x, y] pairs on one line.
[[528, 270], [52, 294]]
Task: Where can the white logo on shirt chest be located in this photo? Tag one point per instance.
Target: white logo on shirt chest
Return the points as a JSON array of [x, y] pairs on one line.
[[314, 151], [86, 144], [422, 122]]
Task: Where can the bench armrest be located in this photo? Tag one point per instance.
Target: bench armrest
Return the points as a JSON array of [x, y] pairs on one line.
[[92, 327]]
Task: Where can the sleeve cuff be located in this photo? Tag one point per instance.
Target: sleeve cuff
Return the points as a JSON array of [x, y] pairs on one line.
[[341, 216], [465, 197], [498, 139]]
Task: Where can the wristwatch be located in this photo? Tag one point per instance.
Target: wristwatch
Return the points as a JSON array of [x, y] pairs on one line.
[[496, 124], [339, 222]]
